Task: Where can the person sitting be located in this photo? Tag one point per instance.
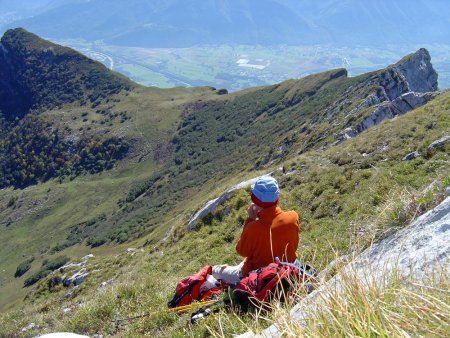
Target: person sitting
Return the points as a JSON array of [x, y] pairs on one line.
[[268, 232]]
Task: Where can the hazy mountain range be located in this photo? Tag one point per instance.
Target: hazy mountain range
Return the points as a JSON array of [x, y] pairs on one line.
[[181, 23]]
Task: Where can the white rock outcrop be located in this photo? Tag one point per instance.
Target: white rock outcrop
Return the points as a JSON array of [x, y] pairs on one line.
[[62, 335], [212, 205], [439, 143]]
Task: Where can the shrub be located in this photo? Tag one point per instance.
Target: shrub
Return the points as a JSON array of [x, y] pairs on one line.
[[96, 241], [36, 277], [57, 262], [47, 268], [23, 267]]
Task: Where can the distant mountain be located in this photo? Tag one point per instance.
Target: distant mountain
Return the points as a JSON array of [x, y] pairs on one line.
[[11, 11], [37, 74], [380, 22], [177, 23], [173, 23]]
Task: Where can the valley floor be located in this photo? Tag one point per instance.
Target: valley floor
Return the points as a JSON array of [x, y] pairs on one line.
[[242, 66]]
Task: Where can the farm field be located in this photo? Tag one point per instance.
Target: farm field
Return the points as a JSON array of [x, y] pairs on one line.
[[244, 66]]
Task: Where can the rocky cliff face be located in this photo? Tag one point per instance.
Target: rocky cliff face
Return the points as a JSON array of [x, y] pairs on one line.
[[402, 87], [418, 71], [389, 109]]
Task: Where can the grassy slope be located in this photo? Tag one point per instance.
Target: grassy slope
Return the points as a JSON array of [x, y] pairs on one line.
[[361, 184], [220, 137], [228, 136], [43, 214]]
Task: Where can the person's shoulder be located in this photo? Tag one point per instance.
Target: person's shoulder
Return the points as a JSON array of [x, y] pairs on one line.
[[252, 224], [291, 214]]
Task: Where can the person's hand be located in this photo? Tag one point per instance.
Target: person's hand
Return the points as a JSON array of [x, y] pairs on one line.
[[252, 211]]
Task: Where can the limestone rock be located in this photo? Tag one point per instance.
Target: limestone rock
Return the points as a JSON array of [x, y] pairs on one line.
[[418, 71], [72, 265], [212, 205], [412, 100], [70, 292], [348, 134], [398, 89], [76, 279], [131, 251], [85, 258], [411, 156], [62, 335], [29, 327], [439, 143], [401, 105]]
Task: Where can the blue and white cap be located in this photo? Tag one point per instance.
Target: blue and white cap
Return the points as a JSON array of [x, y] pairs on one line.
[[266, 189]]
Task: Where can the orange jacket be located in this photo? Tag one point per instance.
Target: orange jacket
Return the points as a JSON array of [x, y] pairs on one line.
[[255, 244]]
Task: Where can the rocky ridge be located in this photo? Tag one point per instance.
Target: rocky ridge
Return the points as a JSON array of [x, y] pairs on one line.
[[402, 87], [212, 205]]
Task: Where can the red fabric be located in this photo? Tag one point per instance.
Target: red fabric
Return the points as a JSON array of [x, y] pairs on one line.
[[260, 284], [255, 245], [188, 289]]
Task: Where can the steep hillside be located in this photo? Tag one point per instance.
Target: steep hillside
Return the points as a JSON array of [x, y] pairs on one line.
[[135, 163], [250, 130], [36, 74], [347, 195], [72, 138]]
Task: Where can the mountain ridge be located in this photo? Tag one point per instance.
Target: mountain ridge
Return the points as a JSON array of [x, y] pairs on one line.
[[38, 74], [305, 22], [188, 143]]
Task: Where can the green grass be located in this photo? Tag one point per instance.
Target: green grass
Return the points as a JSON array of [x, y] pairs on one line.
[[191, 144], [144, 76], [345, 200], [221, 137], [42, 215], [402, 308]]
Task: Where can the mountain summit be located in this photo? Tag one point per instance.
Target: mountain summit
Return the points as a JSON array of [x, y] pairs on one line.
[[38, 74]]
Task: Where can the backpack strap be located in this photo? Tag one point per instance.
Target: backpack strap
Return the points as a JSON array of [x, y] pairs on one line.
[[296, 265], [271, 245]]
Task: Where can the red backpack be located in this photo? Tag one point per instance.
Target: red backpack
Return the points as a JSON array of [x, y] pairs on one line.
[[262, 284], [195, 287]]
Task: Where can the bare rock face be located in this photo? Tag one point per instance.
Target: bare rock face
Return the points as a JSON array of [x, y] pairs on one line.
[[212, 205], [439, 143], [400, 88], [418, 71], [389, 109], [411, 156]]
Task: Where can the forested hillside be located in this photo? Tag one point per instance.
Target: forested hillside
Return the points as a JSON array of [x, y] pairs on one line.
[[38, 75]]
